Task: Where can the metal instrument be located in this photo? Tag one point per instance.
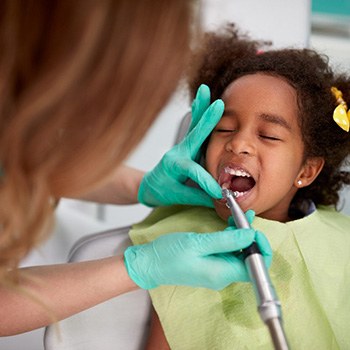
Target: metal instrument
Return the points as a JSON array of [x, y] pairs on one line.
[[269, 306]]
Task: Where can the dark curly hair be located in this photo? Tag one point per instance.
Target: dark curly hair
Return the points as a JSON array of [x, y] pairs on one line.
[[225, 56]]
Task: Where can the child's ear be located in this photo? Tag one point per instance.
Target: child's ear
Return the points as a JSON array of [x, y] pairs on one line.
[[309, 171]]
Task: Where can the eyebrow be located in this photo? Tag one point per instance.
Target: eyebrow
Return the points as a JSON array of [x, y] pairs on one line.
[[270, 118], [275, 119]]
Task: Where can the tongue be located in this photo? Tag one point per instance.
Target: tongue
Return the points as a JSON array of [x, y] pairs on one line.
[[241, 184]]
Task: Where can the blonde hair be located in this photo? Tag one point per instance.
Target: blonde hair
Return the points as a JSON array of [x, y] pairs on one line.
[[80, 84]]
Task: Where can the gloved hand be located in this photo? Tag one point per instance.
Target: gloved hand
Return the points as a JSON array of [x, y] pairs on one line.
[[191, 259], [165, 184]]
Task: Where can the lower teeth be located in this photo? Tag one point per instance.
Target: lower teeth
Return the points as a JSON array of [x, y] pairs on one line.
[[238, 194]]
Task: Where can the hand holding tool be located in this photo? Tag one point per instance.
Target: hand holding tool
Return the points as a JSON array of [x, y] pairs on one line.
[[190, 259]]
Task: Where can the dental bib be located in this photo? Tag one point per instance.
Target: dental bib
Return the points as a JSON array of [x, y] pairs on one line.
[[310, 271]]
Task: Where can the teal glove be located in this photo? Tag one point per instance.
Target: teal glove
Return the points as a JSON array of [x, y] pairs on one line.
[[191, 259], [165, 184]]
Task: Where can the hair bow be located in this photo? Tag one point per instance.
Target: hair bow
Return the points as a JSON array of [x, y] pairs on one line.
[[341, 114]]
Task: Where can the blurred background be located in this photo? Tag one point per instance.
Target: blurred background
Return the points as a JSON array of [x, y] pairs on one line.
[[320, 24]]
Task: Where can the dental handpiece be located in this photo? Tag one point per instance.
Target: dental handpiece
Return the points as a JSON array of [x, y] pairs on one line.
[[269, 306]]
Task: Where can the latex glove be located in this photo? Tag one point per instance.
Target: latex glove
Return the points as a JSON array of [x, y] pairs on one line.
[[191, 259], [165, 184]]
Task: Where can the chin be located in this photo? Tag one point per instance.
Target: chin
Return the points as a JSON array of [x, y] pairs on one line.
[[221, 209]]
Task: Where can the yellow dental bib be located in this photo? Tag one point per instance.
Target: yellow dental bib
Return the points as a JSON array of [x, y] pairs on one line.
[[310, 271]]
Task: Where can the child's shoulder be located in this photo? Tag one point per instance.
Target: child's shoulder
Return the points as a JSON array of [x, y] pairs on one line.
[[184, 218], [329, 214], [174, 212], [328, 217]]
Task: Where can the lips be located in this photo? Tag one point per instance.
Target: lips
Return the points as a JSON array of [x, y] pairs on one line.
[[236, 179]]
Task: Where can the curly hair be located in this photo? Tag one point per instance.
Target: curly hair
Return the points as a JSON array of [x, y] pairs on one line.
[[228, 55]]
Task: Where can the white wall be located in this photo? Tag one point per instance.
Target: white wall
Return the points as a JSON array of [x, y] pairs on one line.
[[286, 23]]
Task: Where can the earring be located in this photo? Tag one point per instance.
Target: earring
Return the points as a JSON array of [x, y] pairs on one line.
[[299, 182]]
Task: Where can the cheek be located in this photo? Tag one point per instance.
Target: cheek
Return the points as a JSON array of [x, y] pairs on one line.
[[289, 165], [211, 158]]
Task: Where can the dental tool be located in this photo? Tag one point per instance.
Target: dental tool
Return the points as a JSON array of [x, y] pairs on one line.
[[269, 306]]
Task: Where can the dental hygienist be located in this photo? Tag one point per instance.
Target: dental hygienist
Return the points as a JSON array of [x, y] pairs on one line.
[[80, 84]]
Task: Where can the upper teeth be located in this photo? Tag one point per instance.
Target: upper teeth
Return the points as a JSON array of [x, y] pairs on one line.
[[236, 172]]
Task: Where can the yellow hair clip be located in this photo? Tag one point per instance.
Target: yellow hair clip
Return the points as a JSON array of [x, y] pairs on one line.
[[341, 114]]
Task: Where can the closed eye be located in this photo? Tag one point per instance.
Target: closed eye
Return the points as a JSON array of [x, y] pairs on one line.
[[224, 130], [271, 138]]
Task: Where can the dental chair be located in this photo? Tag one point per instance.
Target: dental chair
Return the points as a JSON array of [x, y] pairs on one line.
[[121, 323]]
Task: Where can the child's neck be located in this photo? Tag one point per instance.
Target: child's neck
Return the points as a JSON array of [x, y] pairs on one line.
[[277, 215]]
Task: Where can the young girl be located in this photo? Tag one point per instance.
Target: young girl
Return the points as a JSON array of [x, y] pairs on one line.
[[281, 144]]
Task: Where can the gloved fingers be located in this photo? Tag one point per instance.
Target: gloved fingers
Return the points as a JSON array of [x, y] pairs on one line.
[[199, 175], [264, 247], [194, 140], [224, 241], [199, 105], [237, 271], [192, 196], [250, 215]]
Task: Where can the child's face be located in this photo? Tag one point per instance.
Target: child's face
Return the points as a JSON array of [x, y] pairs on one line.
[[256, 148]]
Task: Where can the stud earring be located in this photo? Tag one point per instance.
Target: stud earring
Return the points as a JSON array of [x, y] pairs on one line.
[[299, 182]]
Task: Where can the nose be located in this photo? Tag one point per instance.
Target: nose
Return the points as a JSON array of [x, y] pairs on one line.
[[240, 143]]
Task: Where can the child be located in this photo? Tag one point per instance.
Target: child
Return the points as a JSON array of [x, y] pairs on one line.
[[279, 147]]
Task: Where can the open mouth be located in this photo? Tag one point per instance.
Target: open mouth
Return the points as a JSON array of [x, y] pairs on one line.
[[236, 179]]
